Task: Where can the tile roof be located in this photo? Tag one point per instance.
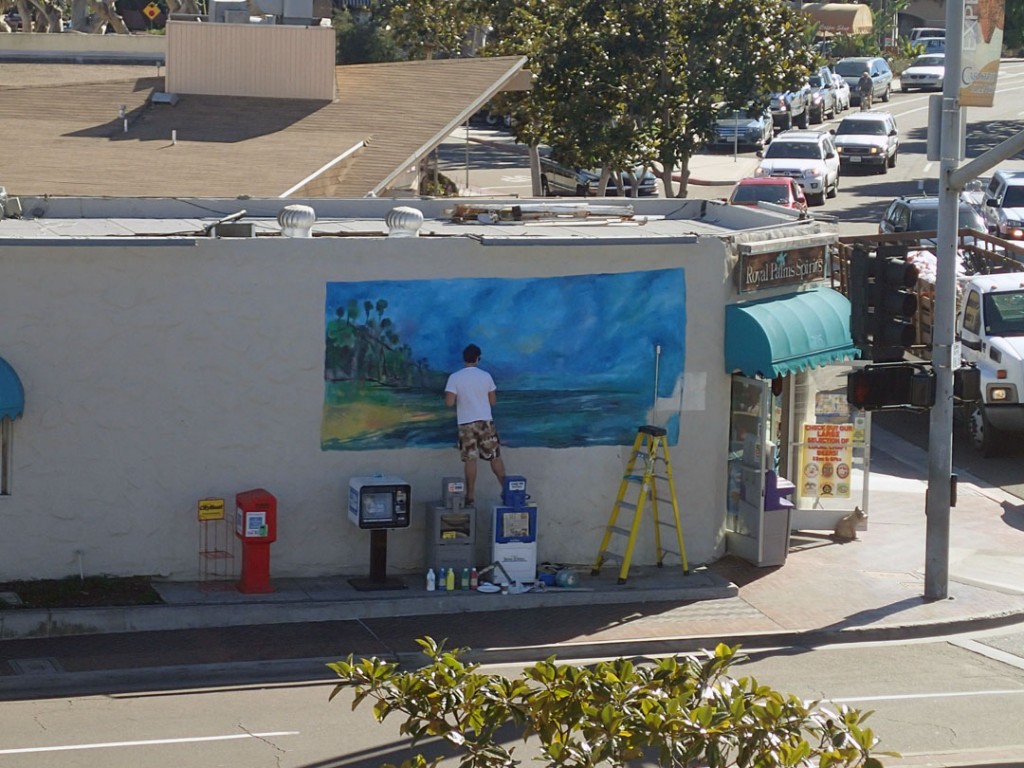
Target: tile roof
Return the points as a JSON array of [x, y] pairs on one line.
[[65, 136]]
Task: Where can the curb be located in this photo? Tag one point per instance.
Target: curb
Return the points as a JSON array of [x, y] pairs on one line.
[[39, 624], [313, 670]]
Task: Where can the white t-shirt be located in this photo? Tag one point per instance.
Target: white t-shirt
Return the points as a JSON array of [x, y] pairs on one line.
[[471, 387]]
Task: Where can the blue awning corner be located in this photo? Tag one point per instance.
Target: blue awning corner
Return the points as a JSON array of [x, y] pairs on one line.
[[12, 393], [790, 333]]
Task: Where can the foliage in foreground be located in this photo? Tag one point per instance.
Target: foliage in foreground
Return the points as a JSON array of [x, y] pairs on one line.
[[679, 711]]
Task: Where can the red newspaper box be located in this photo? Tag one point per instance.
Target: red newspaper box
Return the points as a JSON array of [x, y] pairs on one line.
[[256, 526]]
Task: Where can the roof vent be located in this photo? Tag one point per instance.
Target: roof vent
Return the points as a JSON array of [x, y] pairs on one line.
[[404, 221], [296, 220]]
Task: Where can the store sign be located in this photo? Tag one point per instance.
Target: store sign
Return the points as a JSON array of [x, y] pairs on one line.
[[789, 267], [983, 42], [826, 461]]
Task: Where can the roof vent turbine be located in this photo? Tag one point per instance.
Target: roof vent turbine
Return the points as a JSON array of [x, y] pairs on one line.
[[404, 221], [296, 221]]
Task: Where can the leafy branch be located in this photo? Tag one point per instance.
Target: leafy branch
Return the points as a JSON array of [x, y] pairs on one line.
[[680, 711]]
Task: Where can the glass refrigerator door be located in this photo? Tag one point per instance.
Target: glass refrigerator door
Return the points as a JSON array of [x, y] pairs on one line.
[[748, 434]]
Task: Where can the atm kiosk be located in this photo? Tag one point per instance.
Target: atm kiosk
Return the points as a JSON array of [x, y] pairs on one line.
[[378, 503]]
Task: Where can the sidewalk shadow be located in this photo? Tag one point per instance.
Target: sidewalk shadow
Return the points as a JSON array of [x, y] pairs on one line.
[[1013, 515]]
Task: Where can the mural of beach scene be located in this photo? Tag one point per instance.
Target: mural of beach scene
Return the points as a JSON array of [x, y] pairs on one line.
[[574, 358]]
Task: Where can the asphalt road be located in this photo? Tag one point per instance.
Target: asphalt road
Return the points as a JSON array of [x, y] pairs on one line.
[[955, 699]]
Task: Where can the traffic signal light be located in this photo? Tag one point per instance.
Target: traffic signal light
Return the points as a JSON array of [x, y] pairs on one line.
[[882, 386], [967, 384], [895, 304], [882, 307]]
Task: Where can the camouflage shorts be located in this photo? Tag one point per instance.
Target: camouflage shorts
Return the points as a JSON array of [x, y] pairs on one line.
[[479, 439]]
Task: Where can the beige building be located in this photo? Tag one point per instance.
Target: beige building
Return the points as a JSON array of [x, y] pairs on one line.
[[165, 359]]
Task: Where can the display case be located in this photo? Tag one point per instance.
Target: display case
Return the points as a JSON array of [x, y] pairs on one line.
[[755, 531]]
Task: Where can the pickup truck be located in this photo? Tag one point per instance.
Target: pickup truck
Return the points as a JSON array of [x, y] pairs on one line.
[[791, 108], [989, 326]]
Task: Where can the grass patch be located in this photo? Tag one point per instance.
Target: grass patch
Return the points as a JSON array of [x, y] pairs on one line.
[[74, 592]]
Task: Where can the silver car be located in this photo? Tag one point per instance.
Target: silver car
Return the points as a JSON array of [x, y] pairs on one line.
[[852, 67], [925, 72], [868, 138]]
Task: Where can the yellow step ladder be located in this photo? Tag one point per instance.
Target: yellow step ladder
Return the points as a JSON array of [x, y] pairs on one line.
[[651, 448]]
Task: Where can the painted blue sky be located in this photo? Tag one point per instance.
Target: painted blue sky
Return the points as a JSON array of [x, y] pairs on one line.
[[572, 332]]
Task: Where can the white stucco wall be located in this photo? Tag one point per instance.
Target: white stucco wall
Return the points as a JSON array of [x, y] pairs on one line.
[[162, 373]]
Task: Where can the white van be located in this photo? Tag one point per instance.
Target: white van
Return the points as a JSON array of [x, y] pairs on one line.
[[918, 32]]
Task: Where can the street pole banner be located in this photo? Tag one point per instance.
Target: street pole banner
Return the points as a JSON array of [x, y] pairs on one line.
[[983, 42]]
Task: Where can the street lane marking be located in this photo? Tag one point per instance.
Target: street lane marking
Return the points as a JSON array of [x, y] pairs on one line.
[[146, 743], [908, 696]]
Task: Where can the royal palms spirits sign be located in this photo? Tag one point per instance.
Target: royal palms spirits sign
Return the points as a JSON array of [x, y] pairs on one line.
[[788, 267]]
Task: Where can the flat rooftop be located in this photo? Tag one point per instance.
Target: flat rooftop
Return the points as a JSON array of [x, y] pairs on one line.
[[57, 219]]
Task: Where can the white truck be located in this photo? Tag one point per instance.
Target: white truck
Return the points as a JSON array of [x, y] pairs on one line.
[[989, 324], [990, 328]]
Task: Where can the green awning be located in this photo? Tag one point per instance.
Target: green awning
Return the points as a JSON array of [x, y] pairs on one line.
[[787, 334], [12, 394]]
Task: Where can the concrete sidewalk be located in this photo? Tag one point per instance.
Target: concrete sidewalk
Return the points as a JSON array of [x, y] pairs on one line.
[[709, 168], [827, 592]]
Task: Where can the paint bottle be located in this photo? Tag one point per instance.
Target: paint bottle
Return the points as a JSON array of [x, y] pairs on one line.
[[450, 581], [431, 580], [465, 578], [474, 579], [442, 581]]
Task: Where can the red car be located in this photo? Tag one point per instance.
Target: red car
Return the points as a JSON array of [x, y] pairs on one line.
[[769, 189]]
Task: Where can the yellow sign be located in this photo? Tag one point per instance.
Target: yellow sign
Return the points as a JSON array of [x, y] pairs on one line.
[[211, 509], [826, 461], [152, 10]]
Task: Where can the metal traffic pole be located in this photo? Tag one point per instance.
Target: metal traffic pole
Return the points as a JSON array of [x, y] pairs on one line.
[[940, 432]]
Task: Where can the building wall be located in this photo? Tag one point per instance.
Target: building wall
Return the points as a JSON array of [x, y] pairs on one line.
[[260, 60], [129, 47], [932, 13], [160, 372]]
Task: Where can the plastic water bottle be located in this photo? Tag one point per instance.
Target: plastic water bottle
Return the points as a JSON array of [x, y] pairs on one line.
[[465, 578], [442, 580], [431, 580], [450, 581]]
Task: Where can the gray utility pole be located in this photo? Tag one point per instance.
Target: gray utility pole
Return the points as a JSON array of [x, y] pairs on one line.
[[951, 182]]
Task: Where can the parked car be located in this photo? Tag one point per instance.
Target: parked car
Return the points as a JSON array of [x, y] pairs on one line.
[[748, 127], [789, 108], [924, 72], [918, 213], [1003, 207], [558, 179], [931, 44], [868, 138], [769, 189], [852, 67], [918, 32], [842, 92], [808, 157], [822, 96]]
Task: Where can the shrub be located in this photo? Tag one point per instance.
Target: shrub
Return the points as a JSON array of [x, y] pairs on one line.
[[678, 711]]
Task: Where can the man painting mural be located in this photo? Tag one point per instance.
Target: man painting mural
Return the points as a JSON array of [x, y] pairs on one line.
[[473, 393]]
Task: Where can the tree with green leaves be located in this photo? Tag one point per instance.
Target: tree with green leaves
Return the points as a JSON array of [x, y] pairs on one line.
[[677, 712], [1013, 32], [362, 39], [426, 29], [617, 83]]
